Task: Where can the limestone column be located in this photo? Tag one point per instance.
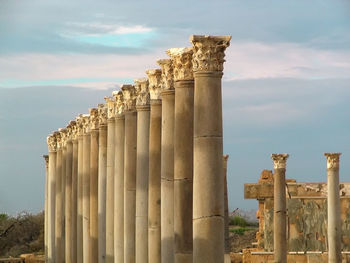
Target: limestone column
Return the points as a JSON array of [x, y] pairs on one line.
[[129, 96], [74, 191], [154, 224], [280, 211], [183, 153], [110, 182], [333, 204], [102, 174], [208, 182], [167, 164], [119, 178], [68, 195], [80, 136], [58, 205], [142, 170], [52, 145], [46, 158], [64, 136], [226, 211], [94, 126], [86, 188]]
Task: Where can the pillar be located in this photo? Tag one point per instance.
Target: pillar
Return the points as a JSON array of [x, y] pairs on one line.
[[68, 195], [58, 205], [208, 182], [279, 207], [154, 224], [110, 182], [119, 178], [102, 174], [333, 204], [94, 126], [80, 136], [129, 96], [86, 188], [183, 153], [63, 187], [74, 191], [226, 212], [46, 158], [142, 170], [52, 146], [167, 163]]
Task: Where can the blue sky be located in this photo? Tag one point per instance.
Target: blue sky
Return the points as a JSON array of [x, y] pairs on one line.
[[286, 82]]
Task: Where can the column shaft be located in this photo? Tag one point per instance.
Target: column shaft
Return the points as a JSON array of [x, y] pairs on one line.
[[102, 173], [80, 200], [46, 157], [183, 171], [59, 213], [154, 224], [119, 189], [68, 202], [63, 187], [51, 207], [74, 199], [167, 176], [86, 197], [226, 211], [142, 171], [110, 192]]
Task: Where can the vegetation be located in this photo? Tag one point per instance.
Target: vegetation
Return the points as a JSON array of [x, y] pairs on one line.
[[238, 220], [21, 234], [240, 231]]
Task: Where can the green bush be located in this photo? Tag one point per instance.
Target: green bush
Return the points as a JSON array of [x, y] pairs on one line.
[[240, 231], [238, 221]]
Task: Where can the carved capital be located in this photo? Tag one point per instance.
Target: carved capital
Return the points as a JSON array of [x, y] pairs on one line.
[[209, 52], [119, 102], [94, 119], [155, 83], [64, 136], [110, 107], [86, 123], [182, 63], [129, 96], [52, 142], [71, 127], [332, 160], [279, 160], [80, 127], [142, 92], [167, 74]]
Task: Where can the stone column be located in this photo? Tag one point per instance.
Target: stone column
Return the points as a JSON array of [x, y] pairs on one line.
[[154, 224], [333, 204], [226, 211], [94, 126], [183, 153], [110, 182], [142, 170], [129, 96], [68, 195], [280, 211], [86, 188], [119, 178], [167, 164], [74, 191], [102, 174], [52, 145], [46, 158], [208, 182], [80, 135], [64, 136]]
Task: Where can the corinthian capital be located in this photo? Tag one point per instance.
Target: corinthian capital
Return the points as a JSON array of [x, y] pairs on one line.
[[119, 102], [279, 160], [102, 114], [209, 52], [70, 128], [94, 123], [64, 136], [182, 63], [80, 126], [74, 129], [167, 73], [110, 107], [129, 97], [155, 83], [52, 142], [86, 123], [142, 92], [332, 160]]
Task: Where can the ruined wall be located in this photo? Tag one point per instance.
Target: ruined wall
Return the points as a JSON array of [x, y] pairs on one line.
[[306, 214]]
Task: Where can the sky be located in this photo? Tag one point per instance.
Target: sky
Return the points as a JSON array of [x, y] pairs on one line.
[[286, 83]]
